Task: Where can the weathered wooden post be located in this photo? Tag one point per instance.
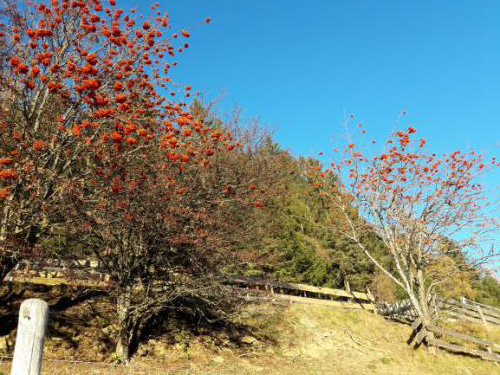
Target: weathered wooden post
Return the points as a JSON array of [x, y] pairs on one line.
[[481, 315], [33, 317]]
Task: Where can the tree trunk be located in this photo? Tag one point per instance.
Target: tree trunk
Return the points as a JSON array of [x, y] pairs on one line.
[[423, 298], [7, 263], [417, 295], [123, 312]]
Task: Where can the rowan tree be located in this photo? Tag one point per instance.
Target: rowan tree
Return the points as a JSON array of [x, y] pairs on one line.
[[166, 220], [138, 220], [75, 74], [425, 208]]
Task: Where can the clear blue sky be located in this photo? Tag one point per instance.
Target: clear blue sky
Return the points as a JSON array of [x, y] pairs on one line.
[[300, 64]]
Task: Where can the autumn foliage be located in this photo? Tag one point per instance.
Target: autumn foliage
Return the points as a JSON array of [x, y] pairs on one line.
[[425, 207], [81, 80], [99, 146], [90, 125]]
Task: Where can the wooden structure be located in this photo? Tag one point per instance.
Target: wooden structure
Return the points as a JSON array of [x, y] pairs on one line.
[[471, 311], [33, 318], [440, 338], [400, 310], [462, 309], [301, 293], [88, 273], [80, 273]]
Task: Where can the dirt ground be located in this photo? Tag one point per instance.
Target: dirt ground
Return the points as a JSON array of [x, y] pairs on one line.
[[296, 339]]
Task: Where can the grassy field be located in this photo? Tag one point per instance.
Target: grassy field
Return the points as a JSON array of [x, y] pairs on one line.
[[299, 340]]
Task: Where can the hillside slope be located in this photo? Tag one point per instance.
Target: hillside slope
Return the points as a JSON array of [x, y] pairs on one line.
[[296, 339], [320, 340]]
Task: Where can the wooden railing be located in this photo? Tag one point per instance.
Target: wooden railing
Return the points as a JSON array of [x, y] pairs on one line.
[[463, 309], [84, 273], [400, 310], [471, 311], [302, 293], [437, 337], [88, 273]]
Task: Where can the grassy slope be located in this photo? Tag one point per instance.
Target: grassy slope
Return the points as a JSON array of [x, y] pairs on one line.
[[319, 340], [295, 340]]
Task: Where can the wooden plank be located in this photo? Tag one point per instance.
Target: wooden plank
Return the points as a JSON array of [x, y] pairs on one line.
[[399, 307], [416, 323], [463, 336], [298, 287], [488, 313], [416, 328], [461, 316], [481, 314], [486, 307], [330, 291], [457, 305], [465, 309], [420, 336], [370, 295], [472, 306], [265, 295], [59, 281], [325, 302], [462, 349], [470, 312], [495, 309]]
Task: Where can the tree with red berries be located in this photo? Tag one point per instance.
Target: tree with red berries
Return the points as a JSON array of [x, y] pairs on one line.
[[77, 77], [153, 226], [426, 208], [164, 224]]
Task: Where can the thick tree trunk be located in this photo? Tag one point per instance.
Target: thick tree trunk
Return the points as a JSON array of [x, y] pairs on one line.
[[123, 312]]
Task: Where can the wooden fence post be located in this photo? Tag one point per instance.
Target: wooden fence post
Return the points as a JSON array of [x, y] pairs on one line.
[[33, 317], [481, 315]]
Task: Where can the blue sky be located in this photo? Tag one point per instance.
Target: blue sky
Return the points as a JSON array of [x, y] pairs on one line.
[[300, 65]]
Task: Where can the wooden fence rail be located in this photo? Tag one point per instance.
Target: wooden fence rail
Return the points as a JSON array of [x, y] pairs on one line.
[[87, 273], [278, 297], [274, 286], [401, 310], [463, 309], [79, 273], [283, 292], [471, 311], [435, 336]]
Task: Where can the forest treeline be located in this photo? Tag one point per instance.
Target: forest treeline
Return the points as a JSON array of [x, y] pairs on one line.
[[295, 238], [284, 233]]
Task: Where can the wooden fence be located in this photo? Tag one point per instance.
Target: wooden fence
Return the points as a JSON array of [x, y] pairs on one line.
[[440, 338], [84, 273], [301, 293], [87, 273], [463, 309], [400, 310], [471, 311]]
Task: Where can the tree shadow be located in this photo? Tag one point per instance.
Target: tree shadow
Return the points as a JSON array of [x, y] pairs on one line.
[[58, 302], [198, 318]]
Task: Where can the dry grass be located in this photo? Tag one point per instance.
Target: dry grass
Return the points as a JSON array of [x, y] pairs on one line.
[[299, 340]]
